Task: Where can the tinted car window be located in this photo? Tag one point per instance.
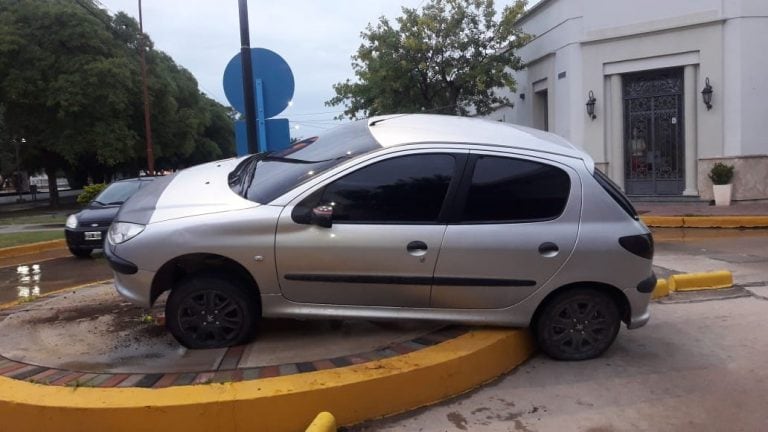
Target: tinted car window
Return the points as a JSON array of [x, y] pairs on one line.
[[515, 190], [118, 192], [263, 177], [407, 189]]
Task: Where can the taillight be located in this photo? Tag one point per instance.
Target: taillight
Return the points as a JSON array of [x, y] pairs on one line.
[[640, 245]]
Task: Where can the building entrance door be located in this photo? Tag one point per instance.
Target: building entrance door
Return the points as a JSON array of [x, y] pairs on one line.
[[653, 132]]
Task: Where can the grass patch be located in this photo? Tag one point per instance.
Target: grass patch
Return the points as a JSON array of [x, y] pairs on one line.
[[22, 238], [39, 215]]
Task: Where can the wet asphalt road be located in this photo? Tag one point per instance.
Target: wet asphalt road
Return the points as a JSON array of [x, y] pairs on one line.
[[39, 274]]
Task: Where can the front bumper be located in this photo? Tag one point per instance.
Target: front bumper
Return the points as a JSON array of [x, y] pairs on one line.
[[130, 282], [76, 237]]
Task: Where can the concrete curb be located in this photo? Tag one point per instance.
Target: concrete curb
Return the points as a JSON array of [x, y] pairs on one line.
[[354, 393], [32, 248], [693, 282], [706, 221]]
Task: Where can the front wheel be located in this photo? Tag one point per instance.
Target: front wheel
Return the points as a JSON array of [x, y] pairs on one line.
[[578, 324], [211, 312]]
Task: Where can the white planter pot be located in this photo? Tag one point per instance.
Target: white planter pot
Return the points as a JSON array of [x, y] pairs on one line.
[[722, 194]]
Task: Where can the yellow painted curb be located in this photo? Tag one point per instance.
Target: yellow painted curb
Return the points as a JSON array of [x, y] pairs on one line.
[[32, 248], [324, 422], [661, 290], [705, 221], [701, 281], [663, 221], [288, 403]]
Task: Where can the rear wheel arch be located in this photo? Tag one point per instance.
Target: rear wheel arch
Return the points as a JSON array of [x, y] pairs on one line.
[[616, 295]]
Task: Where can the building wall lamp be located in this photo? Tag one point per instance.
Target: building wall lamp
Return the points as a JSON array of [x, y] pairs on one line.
[[706, 94], [591, 105]]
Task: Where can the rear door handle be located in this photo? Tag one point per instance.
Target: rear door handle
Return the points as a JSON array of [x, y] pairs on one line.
[[417, 248], [548, 249]]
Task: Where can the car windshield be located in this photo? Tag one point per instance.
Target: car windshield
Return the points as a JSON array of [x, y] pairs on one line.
[[117, 193], [265, 176]]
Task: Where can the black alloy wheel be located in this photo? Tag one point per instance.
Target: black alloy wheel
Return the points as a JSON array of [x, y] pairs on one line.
[[578, 324], [211, 312]]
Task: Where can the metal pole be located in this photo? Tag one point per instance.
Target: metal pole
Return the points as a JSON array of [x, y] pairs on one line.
[[18, 170], [245, 56], [147, 121]]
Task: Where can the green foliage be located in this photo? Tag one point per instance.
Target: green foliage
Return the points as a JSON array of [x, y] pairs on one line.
[[450, 57], [90, 192], [70, 84], [721, 174]]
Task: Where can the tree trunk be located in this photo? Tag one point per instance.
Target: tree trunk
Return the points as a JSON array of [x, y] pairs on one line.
[[53, 188]]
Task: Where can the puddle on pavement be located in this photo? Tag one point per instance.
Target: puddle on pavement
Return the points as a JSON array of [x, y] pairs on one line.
[[26, 281]]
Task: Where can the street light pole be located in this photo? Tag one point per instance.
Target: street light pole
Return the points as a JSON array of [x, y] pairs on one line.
[[147, 122], [245, 57], [18, 168]]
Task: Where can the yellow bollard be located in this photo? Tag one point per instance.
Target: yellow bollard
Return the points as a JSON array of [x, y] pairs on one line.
[[324, 422]]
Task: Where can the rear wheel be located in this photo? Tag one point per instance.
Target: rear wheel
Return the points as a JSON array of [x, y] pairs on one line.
[[211, 312], [80, 252], [578, 324]]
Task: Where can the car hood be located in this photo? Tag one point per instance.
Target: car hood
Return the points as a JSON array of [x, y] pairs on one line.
[[97, 216], [202, 189]]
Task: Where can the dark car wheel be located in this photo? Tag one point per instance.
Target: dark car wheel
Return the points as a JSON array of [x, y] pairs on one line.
[[211, 312], [578, 324], [80, 252]]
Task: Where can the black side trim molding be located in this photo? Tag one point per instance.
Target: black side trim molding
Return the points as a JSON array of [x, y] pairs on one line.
[[409, 280], [118, 264], [648, 284]]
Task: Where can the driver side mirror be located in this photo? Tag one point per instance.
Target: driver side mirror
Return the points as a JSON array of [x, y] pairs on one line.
[[322, 216]]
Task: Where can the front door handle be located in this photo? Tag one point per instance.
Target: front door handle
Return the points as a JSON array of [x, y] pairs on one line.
[[417, 248]]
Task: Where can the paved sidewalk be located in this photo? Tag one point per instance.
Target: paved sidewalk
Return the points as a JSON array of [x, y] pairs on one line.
[[701, 209]]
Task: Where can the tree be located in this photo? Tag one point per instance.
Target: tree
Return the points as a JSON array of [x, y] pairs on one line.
[[56, 60], [70, 86], [450, 57]]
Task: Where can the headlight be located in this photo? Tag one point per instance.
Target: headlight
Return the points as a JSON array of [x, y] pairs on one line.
[[121, 232], [71, 222]]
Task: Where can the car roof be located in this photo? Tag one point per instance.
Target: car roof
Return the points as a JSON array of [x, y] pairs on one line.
[[133, 179], [403, 129]]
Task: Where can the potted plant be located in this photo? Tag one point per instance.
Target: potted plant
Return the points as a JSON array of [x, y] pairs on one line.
[[721, 176]]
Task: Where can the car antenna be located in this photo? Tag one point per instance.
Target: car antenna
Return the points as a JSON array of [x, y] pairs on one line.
[[375, 122]]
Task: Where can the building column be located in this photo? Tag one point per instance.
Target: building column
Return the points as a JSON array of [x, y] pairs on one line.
[[691, 140], [615, 145]]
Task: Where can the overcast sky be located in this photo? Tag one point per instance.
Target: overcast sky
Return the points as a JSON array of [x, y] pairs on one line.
[[316, 38]]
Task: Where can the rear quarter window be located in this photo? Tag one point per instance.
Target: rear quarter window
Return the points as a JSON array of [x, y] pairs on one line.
[[615, 193]]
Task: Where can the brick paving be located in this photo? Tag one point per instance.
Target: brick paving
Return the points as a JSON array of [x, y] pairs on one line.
[[227, 370]]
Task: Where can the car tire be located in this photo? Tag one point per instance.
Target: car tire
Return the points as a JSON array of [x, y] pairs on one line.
[[211, 312], [80, 252], [577, 324]]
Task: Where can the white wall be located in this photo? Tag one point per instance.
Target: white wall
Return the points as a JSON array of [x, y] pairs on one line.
[[725, 40]]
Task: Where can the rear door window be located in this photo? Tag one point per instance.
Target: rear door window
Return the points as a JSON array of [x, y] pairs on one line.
[[505, 189]]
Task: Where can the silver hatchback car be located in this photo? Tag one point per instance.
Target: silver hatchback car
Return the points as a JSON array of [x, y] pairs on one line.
[[408, 216]]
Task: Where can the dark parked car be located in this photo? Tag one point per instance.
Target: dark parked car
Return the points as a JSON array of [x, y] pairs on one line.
[[87, 229]]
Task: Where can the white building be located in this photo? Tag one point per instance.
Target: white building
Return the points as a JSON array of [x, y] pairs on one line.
[[646, 63]]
